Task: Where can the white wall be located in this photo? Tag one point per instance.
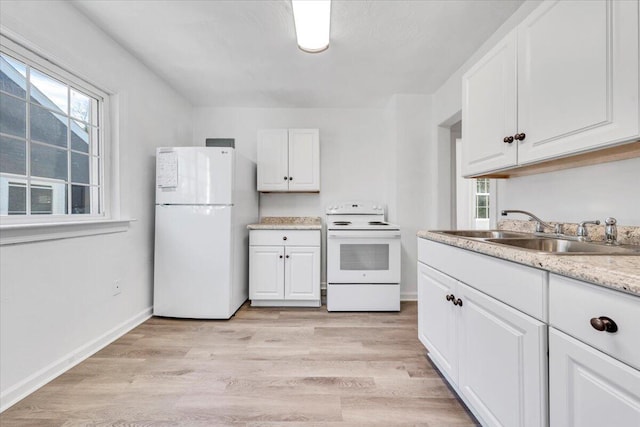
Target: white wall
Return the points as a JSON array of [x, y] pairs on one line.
[[354, 152], [411, 125], [56, 303], [360, 150], [579, 194]]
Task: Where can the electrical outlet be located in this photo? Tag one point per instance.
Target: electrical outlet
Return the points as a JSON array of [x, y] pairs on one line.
[[117, 288]]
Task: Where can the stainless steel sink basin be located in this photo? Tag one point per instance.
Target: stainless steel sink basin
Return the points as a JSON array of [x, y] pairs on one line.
[[565, 247], [485, 234]]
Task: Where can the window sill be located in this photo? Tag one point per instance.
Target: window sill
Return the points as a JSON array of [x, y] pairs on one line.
[[11, 234]]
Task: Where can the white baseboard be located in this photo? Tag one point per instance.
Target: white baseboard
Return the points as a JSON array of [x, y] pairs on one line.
[[409, 296], [33, 382]]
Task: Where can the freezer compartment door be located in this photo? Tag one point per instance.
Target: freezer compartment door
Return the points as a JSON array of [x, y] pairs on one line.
[[192, 274], [195, 175]]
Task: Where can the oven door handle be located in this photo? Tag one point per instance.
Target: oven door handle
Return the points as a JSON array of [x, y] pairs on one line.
[[366, 235]]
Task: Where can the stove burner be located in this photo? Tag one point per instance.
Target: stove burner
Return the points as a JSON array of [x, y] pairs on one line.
[[377, 223], [341, 222]]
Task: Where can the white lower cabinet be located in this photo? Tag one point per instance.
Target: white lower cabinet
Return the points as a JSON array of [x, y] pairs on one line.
[[588, 388], [503, 361], [284, 268], [493, 355], [489, 337], [594, 376], [438, 319], [266, 277], [302, 273]]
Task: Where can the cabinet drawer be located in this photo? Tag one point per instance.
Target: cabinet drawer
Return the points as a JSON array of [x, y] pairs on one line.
[[284, 237], [519, 286], [572, 305]]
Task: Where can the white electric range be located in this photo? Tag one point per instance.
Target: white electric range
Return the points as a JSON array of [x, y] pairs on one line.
[[363, 258]]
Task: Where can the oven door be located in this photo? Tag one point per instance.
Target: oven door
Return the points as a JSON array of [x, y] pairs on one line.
[[363, 256]]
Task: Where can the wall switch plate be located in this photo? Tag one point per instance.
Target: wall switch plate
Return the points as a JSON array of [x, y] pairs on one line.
[[117, 288]]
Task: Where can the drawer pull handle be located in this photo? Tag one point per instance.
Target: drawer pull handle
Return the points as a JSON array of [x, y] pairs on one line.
[[458, 302], [451, 297], [603, 323]]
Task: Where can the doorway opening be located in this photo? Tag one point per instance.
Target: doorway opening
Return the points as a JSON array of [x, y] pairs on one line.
[[474, 200]]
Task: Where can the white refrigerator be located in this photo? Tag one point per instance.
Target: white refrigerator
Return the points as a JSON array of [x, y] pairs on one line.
[[205, 197]]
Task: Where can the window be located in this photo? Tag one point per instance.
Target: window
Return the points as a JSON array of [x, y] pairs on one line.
[[51, 141], [482, 198]]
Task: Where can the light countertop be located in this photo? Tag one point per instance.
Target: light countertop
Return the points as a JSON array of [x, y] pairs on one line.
[[620, 272], [287, 223]]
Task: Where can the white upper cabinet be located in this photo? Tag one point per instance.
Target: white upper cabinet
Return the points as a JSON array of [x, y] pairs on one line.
[[489, 113], [576, 89], [273, 160], [289, 160], [577, 77]]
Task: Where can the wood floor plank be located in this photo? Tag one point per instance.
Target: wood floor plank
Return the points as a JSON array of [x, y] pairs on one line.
[[291, 367]]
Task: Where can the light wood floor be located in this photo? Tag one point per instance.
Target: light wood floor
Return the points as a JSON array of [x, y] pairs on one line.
[[264, 367]]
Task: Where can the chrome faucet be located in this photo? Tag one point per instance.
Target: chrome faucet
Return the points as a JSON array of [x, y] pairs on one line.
[[611, 231], [540, 224], [582, 232]]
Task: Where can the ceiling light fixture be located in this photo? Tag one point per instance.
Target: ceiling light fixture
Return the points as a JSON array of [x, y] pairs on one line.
[[312, 21]]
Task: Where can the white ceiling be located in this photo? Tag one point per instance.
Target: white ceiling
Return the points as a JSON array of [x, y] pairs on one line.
[[244, 53]]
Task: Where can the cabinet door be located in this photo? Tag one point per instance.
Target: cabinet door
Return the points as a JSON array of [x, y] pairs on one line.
[[302, 273], [304, 160], [502, 361], [437, 319], [587, 388], [489, 110], [273, 160], [266, 272], [577, 77]]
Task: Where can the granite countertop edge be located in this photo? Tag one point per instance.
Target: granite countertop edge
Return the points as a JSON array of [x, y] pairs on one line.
[[287, 223], [618, 272]]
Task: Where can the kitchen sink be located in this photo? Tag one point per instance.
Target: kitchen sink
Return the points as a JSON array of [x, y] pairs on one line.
[[565, 247], [485, 234]]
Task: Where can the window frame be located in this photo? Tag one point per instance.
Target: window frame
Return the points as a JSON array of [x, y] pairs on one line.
[[476, 198], [29, 228]]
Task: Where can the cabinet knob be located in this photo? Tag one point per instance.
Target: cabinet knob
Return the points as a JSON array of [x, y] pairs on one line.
[[603, 323], [287, 256], [508, 139], [450, 297], [284, 238], [290, 178], [457, 302], [280, 256], [286, 178], [520, 136]]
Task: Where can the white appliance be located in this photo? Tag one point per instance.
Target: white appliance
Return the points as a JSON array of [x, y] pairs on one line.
[[205, 197], [363, 258]]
